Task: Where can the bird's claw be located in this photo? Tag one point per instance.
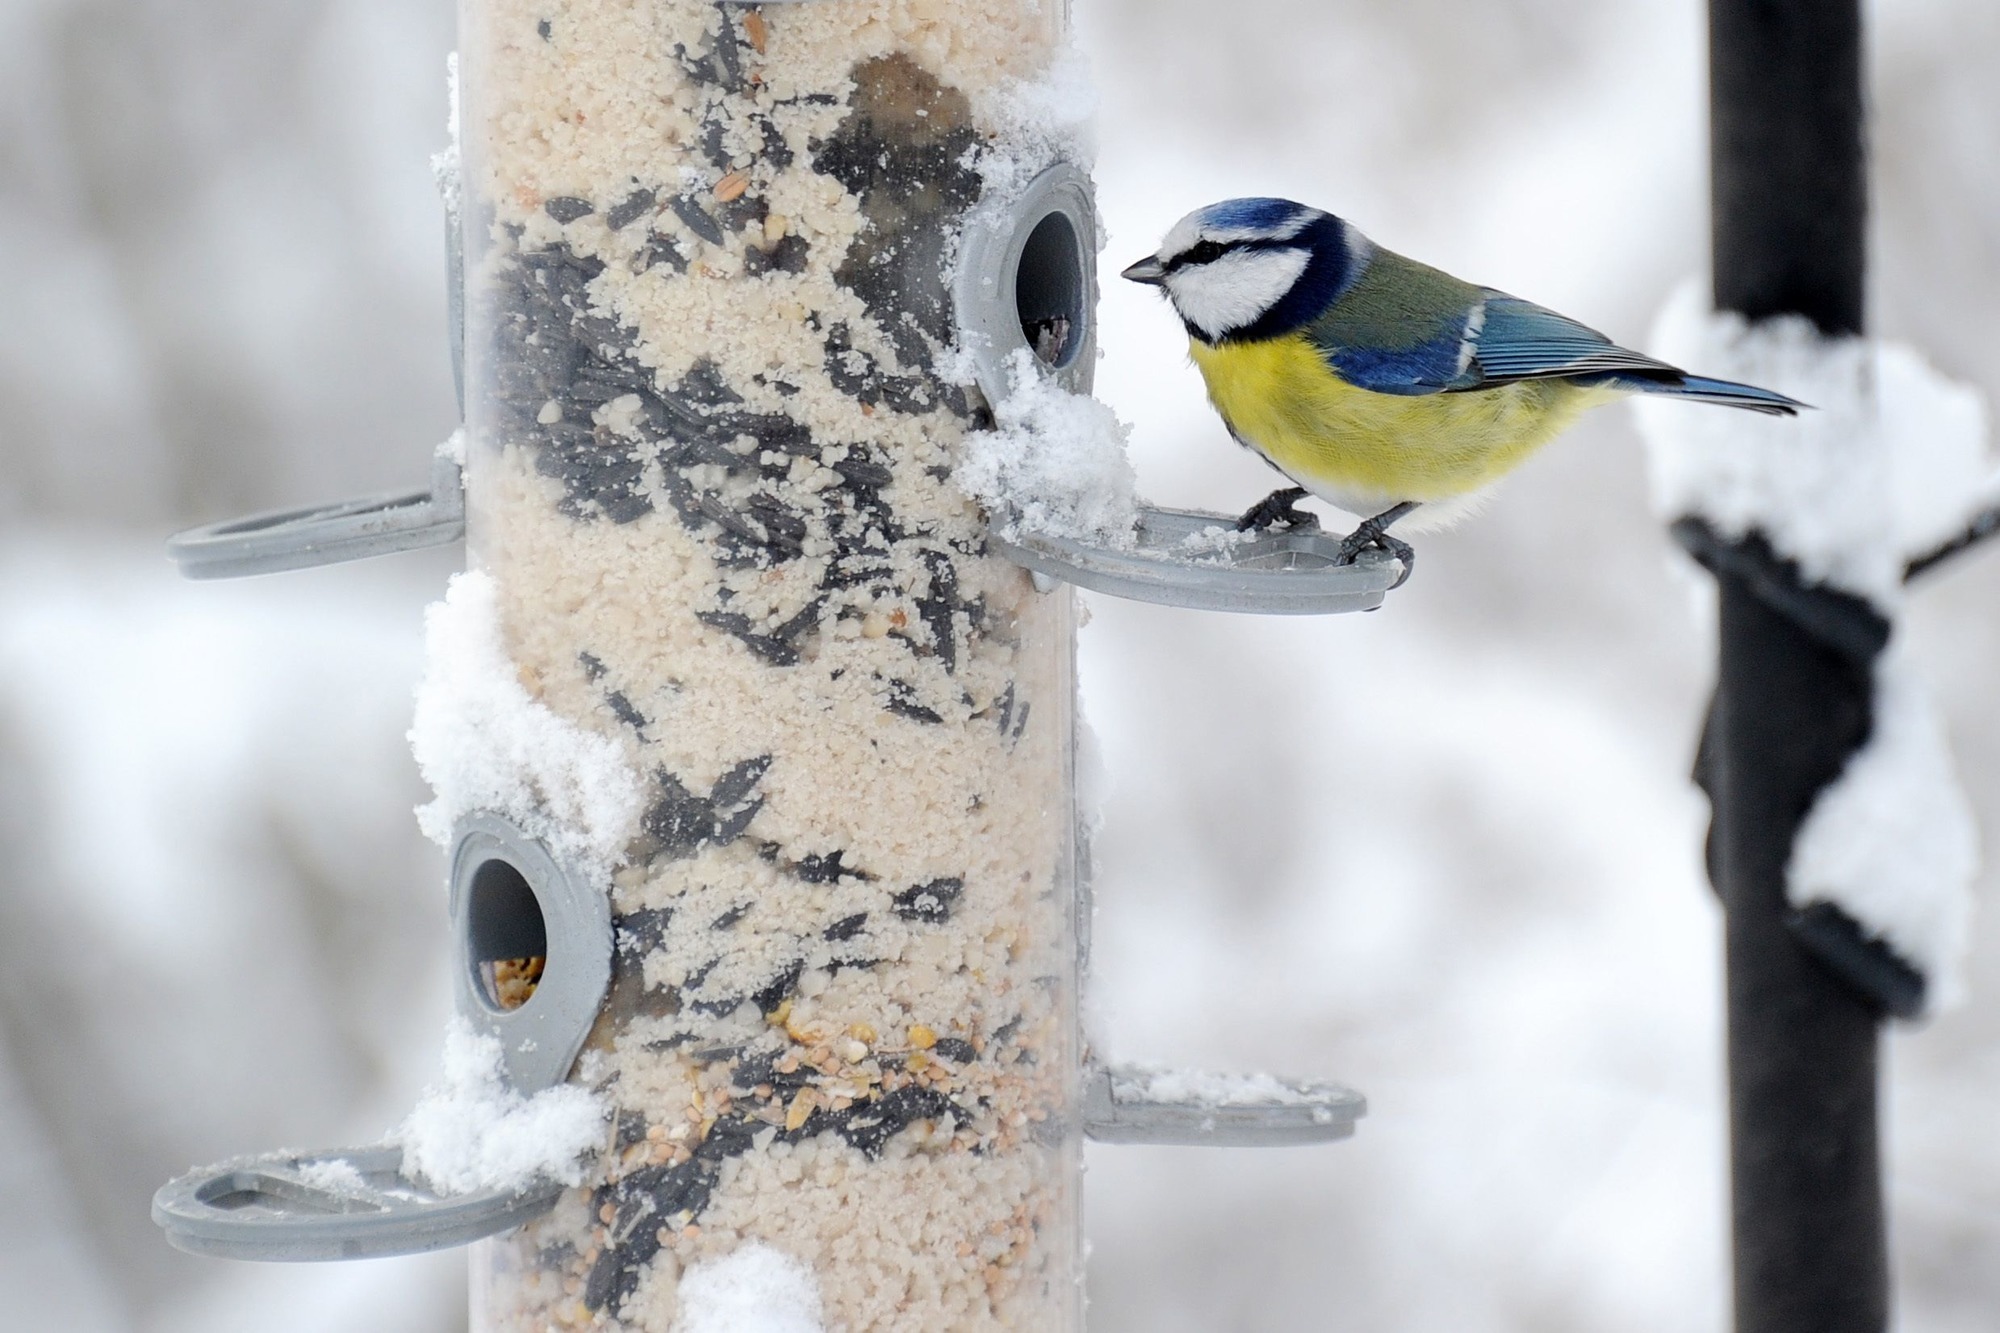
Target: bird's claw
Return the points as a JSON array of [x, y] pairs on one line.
[[1279, 507], [1368, 536]]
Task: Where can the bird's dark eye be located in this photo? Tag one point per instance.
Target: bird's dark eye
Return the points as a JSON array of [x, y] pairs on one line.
[[1200, 253]]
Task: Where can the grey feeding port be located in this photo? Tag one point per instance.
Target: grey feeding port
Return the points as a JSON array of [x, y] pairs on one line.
[[532, 938], [349, 1203], [1119, 1107], [1027, 279], [533, 942], [1287, 572]]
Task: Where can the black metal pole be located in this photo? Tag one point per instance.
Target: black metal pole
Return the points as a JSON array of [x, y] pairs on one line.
[[1787, 158], [1793, 700]]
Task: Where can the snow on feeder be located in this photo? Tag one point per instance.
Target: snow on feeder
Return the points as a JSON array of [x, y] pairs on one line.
[[751, 729]]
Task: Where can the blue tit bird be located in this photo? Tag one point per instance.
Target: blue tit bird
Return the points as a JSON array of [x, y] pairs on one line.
[[1378, 383]]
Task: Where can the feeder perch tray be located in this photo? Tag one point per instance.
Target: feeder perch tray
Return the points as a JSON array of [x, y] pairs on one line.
[[1119, 1106], [305, 1206], [1282, 573], [327, 534]]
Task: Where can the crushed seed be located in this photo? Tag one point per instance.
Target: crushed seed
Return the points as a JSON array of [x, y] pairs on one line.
[[710, 477]]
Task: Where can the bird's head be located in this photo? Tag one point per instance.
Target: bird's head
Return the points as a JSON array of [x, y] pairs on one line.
[[1253, 268]]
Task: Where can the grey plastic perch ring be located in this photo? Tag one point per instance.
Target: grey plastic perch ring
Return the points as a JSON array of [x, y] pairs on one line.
[[349, 1203], [1283, 573], [326, 534], [1116, 1110]]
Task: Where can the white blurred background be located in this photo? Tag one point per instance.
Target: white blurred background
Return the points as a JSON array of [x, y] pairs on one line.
[[1447, 853]]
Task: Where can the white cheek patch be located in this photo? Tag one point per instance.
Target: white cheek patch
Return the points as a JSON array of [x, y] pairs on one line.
[[1232, 291]]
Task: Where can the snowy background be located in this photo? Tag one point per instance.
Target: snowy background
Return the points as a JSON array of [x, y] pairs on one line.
[[1446, 852]]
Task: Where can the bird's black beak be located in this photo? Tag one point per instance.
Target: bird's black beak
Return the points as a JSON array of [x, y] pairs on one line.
[[1148, 271]]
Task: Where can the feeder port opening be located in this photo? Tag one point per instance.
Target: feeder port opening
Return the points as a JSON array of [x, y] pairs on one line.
[[507, 937], [1050, 295]]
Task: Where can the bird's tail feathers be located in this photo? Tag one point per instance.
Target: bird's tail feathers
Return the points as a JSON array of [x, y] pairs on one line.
[[1705, 390]]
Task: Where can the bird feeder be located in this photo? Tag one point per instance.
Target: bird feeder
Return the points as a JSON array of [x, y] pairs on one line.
[[722, 272]]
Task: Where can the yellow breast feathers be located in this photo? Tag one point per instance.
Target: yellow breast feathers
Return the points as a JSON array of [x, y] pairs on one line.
[[1358, 447]]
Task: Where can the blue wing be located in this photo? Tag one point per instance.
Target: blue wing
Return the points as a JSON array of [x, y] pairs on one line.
[[1430, 366], [1519, 340], [1446, 345], [1408, 329]]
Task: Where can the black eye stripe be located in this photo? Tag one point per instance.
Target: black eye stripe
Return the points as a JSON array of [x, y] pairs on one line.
[[1200, 253], [1203, 252]]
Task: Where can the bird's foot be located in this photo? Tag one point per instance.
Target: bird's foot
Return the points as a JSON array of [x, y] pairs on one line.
[[1279, 507], [1373, 534]]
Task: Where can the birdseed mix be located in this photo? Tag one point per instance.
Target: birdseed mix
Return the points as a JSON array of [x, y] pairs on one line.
[[710, 476]]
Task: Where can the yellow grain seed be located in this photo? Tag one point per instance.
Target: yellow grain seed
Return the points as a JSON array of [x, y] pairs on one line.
[[862, 1032], [916, 1062], [801, 1109], [732, 186], [922, 1037]]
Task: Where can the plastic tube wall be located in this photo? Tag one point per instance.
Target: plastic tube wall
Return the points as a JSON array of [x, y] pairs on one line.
[[708, 255]]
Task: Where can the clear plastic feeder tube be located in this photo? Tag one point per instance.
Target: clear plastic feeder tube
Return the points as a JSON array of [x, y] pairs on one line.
[[708, 255]]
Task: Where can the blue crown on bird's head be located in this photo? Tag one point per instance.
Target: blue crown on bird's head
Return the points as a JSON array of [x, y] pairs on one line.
[[1245, 269], [1254, 219]]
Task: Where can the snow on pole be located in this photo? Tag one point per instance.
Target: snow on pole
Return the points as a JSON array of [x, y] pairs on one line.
[[713, 427], [1891, 463], [1839, 843]]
